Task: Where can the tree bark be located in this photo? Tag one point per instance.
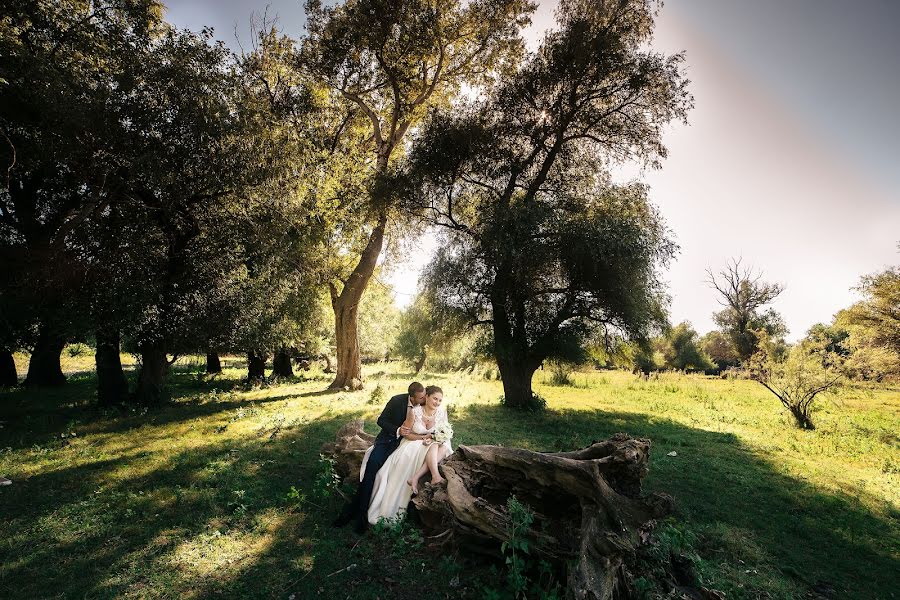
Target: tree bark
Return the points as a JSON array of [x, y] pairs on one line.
[[516, 377], [281, 364], [349, 449], [346, 309], [112, 386], [44, 368], [511, 350], [213, 364], [420, 362], [9, 377], [256, 365], [152, 378], [802, 418]]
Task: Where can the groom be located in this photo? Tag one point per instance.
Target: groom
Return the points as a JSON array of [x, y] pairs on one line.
[[392, 430]]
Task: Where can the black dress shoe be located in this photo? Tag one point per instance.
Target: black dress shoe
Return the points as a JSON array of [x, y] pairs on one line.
[[342, 520], [345, 517]]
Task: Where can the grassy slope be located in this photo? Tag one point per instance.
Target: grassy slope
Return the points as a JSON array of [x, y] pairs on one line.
[[194, 500]]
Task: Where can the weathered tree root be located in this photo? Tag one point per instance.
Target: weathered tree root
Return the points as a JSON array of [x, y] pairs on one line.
[[590, 515], [348, 450]]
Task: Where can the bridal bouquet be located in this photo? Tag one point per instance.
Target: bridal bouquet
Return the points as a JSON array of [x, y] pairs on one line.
[[443, 433]]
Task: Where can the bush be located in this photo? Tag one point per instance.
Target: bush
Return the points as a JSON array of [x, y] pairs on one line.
[[797, 380], [561, 373], [537, 403], [79, 349], [377, 396]]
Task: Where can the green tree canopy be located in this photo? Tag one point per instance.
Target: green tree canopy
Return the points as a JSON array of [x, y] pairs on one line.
[[682, 349], [539, 245], [385, 64], [879, 312]]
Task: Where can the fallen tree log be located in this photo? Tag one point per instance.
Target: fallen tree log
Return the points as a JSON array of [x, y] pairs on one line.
[[348, 450], [590, 514]]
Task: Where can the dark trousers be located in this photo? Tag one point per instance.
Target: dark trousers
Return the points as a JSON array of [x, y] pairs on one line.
[[360, 504]]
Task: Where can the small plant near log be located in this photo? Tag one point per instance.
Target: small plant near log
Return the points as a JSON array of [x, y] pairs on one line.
[[295, 497], [519, 564], [327, 482], [397, 534], [669, 559]]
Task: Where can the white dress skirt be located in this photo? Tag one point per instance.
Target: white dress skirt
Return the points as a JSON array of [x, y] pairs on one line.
[[391, 494]]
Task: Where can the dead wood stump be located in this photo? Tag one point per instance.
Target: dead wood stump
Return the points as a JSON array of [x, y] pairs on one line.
[[590, 515], [348, 450]]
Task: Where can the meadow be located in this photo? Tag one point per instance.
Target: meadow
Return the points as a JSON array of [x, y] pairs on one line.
[[220, 493]]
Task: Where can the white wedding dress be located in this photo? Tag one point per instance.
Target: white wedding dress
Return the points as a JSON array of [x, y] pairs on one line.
[[391, 494]]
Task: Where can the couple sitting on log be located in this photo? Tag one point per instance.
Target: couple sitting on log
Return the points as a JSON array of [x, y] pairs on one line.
[[415, 436]]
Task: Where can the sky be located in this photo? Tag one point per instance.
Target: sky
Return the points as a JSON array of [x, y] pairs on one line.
[[789, 160]]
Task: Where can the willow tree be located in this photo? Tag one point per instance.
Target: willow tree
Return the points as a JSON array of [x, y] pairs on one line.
[[540, 246], [389, 62]]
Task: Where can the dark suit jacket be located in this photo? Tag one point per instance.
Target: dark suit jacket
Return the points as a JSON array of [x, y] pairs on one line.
[[391, 418]]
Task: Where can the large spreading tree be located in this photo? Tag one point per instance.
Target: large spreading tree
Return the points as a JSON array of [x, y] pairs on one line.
[[387, 63], [540, 245]]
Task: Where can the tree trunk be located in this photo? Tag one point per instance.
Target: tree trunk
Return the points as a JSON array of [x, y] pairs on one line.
[[516, 377], [112, 386], [9, 377], [803, 419], [329, 368], [511, 350], [346, 308], [256, 365], [281, 364], [213, 364], [349, 365], [420, 362], [44, 368], [152, 378]]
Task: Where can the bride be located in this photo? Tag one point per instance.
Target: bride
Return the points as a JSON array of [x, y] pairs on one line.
[[417, 454]]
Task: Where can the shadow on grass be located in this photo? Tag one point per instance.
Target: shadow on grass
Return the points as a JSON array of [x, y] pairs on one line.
[[810, 534], [40, 415], [109, 528], [103, 528]]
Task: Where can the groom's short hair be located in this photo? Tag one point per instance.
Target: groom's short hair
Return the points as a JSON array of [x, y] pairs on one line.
[[415, 387]]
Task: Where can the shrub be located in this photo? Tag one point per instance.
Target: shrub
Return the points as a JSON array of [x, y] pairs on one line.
[[798, 380], [537, 403], [377, 396], [79, 349], [561, 373]]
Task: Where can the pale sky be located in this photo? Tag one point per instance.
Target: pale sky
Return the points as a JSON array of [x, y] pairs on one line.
[[790, 159]]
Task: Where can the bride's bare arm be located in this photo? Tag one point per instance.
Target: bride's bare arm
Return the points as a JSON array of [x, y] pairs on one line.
[[408, 423]]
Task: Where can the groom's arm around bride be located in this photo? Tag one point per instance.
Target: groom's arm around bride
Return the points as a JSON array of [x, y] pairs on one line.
[[387, 440]]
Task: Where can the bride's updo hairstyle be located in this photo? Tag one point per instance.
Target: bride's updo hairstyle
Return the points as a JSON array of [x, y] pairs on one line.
[[433, 389]]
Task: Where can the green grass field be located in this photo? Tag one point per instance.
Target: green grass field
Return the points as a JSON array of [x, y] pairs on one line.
[[215, 495]]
